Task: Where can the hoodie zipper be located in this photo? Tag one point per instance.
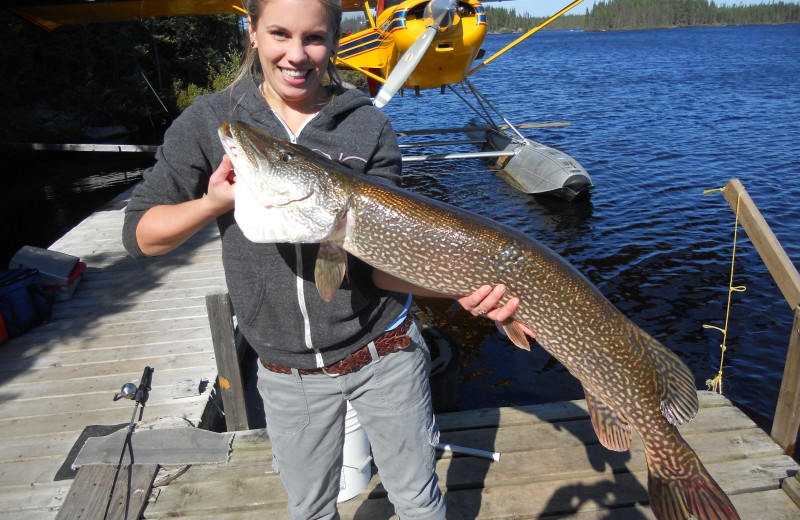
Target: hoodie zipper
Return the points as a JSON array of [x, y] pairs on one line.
[[301, 298]]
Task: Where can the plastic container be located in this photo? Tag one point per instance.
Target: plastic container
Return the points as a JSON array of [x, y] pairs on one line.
[[59, 272], [357, 458]]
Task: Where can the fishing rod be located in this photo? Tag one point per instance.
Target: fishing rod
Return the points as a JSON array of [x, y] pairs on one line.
[[139, 395]]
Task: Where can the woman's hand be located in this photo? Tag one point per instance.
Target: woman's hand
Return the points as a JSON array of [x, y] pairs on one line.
[[484, 302], [220, 187], [165, 227]]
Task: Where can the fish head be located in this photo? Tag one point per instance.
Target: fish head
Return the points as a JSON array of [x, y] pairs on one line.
[[283, 192]]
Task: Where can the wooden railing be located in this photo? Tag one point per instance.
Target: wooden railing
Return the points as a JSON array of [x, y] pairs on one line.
[[786, 423]]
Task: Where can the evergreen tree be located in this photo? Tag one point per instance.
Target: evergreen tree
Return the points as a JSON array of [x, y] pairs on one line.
[[134, 74], [640, 14]]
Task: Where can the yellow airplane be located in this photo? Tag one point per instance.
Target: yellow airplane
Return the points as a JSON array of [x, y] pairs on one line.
[[426, 44], [399, 37], [409, 44]]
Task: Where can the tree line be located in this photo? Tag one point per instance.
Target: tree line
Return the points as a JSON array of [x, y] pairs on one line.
[[641, 14], [636, 14], [503, 20]]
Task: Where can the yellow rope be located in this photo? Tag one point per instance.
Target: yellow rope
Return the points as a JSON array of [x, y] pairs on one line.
[[715, 384]]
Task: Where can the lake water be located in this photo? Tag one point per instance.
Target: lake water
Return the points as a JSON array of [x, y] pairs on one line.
[[656, 118], [45, 194]]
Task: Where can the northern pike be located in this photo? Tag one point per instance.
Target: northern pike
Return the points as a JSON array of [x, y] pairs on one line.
[[287, 193]]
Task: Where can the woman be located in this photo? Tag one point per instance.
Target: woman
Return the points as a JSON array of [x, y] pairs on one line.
[[314, 355]]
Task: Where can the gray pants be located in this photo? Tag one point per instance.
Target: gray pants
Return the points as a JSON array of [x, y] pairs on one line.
[[305, 422]]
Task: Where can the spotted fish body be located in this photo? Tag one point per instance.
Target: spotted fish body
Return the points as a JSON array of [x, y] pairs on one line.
[[630, 380]]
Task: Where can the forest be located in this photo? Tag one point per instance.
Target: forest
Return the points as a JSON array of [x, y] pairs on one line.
[[89, 82], [128, 81], [638, 14], [648, 14]]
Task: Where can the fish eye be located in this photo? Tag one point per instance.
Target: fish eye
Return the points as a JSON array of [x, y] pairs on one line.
[[286, 156]]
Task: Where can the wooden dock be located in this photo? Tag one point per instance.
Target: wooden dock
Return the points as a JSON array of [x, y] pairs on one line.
[[58, 380], [551, 466]]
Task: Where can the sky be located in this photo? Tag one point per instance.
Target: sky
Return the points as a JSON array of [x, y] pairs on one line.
[[551, 7], [542, 7]]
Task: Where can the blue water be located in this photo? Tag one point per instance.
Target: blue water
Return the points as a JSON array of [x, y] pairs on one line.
[[656, 117]]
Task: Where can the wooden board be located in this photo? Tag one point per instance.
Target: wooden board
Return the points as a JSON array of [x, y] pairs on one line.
[[766, 243], [101, 491]]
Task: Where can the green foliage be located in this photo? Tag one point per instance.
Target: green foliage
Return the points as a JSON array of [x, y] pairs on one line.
[[184, 94], [58, 85]]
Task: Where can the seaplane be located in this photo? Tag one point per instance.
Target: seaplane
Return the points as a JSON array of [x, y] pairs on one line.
[[406, 45], [437, 44]]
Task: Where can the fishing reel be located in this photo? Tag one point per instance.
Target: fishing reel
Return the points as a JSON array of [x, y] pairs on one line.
[[128, 391], [136, 393]]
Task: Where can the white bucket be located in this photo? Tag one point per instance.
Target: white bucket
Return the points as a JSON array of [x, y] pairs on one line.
[[356, 463]]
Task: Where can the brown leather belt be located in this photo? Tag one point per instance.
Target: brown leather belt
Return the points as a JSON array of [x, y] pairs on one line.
[[390, 341]]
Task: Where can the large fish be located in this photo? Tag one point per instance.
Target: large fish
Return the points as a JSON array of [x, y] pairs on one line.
[[287, 193]]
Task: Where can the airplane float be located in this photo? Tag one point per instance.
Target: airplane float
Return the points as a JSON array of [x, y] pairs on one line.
[[409, 44]]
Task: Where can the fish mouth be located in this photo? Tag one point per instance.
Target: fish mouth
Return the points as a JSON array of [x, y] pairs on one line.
[[229, 143], [270, 198]]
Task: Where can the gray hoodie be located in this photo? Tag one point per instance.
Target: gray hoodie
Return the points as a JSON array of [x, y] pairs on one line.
[[272, 287]]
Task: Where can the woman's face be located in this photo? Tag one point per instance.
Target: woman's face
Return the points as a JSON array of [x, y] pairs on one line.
[[294, 43]]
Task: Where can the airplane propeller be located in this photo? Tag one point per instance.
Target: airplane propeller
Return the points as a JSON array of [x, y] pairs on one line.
[[438, 14]]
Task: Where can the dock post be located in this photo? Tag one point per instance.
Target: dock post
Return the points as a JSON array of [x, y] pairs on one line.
[[787, 412], [231, 387]]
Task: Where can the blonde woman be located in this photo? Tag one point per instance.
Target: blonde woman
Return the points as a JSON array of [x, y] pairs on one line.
[[314, 355]]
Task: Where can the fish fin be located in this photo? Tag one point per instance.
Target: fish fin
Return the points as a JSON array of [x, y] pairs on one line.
[[613, 431], [515, 333], [693, 495], [329, 270], [676, 386]]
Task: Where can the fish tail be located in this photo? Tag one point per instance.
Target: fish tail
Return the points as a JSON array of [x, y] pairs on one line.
[[692, 494]]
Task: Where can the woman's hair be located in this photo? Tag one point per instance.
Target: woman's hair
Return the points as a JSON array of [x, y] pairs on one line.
[[252, 67]]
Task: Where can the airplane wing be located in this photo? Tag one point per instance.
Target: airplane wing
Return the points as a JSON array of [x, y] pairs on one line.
[[49, 14]]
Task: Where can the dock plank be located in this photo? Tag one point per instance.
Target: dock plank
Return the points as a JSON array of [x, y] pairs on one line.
[[166, 362], [100, 491], [772, 505]]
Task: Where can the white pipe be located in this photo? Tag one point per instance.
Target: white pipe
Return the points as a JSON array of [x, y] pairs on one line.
[[491, 455]]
